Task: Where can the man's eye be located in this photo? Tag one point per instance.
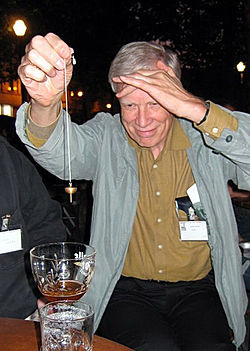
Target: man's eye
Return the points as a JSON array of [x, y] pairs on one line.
[[130, 106], [154, 105]]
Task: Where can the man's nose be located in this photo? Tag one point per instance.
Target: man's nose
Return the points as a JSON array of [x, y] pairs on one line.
[[142, 118]]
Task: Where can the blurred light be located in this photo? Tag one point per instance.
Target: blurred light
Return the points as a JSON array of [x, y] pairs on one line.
[[80, 93], [72, 93], [15, 88], [108, 105], [241, 66], [19, 28], [9, 88], [7, 110]]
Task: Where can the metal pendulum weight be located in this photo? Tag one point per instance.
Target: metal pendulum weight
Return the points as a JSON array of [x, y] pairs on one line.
[[69, 189]]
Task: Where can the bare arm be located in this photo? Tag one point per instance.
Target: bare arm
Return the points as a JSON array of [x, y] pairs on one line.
[[42, 73]]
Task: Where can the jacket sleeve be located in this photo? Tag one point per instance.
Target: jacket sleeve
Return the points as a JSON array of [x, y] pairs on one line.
[[42, 215], [85, 144], [233, 143]]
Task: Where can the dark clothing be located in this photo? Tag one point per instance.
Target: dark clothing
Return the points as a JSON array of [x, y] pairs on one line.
[[242, 215], [184, 316], [25, 198]]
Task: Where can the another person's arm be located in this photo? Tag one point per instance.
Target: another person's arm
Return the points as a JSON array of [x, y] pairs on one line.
[[42, 215]]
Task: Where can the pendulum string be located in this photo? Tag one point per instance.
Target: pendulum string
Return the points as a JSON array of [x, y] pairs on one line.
[[70, 189], [67, 124]]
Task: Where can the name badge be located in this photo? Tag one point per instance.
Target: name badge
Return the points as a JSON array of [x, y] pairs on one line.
[[193, 230], [10, 240]]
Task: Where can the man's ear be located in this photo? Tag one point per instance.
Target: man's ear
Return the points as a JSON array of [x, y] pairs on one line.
[[164, 67]]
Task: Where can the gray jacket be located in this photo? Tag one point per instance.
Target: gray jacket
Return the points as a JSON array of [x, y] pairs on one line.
[[100, 151]]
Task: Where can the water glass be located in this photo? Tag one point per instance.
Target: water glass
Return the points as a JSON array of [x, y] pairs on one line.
[[67, 326]]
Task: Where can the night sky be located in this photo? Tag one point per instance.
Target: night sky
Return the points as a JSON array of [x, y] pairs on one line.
[[209, 39]]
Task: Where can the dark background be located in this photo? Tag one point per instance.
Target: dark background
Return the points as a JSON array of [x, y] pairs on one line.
[[210, 36]]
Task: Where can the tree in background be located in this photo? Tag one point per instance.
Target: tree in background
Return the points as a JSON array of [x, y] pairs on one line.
[[211, 36]]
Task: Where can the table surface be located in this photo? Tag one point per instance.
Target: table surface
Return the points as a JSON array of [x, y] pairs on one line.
[[22, 335]]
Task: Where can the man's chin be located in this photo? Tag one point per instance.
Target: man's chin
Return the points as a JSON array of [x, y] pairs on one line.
[[146, 144]]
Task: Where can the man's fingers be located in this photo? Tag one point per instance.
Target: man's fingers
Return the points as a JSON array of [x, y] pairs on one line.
[[147, 72], [135, 81], [146, 79], [45, 58], [34, 59], [127, 89], [59, 45], [29, 72], [49, 48], [138, 81]]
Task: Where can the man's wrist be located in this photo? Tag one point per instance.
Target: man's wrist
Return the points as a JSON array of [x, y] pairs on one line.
[[44, 116], [207, 103], [38, 134], [29, 118]]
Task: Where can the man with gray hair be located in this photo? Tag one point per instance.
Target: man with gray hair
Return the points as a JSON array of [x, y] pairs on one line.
[[141, 55], [168, 269]]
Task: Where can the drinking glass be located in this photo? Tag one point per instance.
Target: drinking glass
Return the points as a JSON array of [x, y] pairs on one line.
[[66, 326], [63, 270]]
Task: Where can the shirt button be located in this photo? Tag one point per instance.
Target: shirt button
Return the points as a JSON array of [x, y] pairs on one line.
[[229, 138], [160, 246], [215, 130], [155, 166], [160, 271], [159, 220], [158, 193]]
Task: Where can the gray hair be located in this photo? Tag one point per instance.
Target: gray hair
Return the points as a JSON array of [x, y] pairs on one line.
[[141, 55]]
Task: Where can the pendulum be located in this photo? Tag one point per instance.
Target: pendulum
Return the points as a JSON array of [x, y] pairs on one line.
[[69, 189]]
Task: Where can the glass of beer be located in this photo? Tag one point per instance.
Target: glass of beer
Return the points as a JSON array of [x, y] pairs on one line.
[[63, 270]]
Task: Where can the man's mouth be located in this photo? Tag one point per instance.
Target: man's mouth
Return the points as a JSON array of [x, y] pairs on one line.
[[145, 133]]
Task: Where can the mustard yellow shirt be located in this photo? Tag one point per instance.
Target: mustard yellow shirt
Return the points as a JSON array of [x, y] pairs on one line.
[[156, 250]]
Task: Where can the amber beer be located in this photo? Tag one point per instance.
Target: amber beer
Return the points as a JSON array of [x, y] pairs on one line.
[[64, 290]]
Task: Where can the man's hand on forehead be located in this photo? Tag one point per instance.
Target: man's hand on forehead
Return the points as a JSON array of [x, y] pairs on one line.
[[166, 89], [128, 83], [123, 89], [146, 80]]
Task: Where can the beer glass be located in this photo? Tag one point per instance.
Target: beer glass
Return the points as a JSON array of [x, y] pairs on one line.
[[63, 270]]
